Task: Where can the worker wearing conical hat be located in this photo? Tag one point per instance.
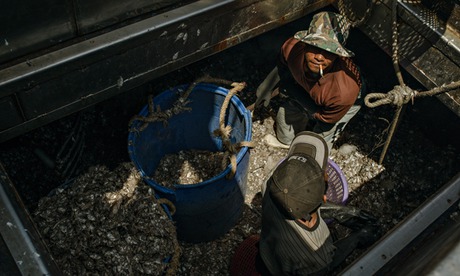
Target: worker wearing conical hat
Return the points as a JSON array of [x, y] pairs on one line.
[[318, 80]]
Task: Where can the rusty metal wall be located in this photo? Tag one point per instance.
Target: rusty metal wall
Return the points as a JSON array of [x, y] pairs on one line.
[[27, 26], [34, 27]]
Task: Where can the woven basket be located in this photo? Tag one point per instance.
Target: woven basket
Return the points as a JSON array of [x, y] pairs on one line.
[[337, 191]]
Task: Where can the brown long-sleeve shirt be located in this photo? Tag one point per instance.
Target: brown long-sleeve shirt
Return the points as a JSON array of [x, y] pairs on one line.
[[334, 93]]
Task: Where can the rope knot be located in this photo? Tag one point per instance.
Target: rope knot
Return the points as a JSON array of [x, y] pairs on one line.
[[401, 94], [233, 148]]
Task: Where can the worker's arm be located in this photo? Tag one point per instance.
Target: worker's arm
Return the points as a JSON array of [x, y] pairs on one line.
[[351, 217]]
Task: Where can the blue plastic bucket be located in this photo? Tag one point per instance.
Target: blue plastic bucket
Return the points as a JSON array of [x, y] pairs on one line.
[[209, 209]]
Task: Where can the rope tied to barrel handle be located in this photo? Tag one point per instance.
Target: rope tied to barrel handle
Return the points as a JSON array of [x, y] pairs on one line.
[[155, 114], [224, 131]]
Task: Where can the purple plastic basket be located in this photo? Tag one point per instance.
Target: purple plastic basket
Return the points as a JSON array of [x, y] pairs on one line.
[[337, 191]]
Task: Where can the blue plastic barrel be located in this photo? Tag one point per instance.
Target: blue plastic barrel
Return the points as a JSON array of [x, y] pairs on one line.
[[209, 209]]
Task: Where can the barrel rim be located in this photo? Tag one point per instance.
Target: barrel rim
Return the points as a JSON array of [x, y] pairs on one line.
[[243, 151]]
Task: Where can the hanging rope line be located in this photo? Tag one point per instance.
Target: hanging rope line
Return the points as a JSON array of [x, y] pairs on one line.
[[401, 94]]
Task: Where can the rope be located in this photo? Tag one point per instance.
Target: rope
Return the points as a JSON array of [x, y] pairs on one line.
[[403, 94], [156, 114], [400, 80], [174, 262], [224, 131], [398, 96]]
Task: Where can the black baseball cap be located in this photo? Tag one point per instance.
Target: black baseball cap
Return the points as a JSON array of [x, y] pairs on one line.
[[297, 185]]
